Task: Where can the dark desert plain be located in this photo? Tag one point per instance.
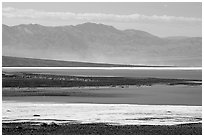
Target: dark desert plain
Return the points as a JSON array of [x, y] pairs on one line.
[[174, 100]]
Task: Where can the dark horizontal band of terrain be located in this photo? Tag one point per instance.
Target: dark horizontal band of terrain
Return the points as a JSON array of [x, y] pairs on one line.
[[99, 129], [20, 79], [8, 61]]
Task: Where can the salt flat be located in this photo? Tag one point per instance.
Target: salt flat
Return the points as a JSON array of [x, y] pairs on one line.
[[153, 105], [130, 105], [123, 114]]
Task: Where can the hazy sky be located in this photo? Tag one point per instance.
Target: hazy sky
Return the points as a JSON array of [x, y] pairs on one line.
[[161, 19]]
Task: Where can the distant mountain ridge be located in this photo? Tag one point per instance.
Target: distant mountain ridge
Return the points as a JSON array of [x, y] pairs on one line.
[[90, 42]]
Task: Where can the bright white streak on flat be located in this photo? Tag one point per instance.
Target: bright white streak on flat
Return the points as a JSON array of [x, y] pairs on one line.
[[111, 68], [123, 114]]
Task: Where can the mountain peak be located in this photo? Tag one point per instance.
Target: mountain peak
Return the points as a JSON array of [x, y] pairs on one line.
[[4, 25], [91, 24], [95, 26], [28, 25]]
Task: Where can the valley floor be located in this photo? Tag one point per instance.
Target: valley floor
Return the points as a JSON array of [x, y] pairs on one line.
[[99, 129], [30, 89]]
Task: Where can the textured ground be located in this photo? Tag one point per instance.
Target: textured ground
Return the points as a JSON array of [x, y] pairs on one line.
[[99, 129]]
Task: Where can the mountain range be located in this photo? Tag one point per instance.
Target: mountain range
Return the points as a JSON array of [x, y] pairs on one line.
[[99, 43]]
